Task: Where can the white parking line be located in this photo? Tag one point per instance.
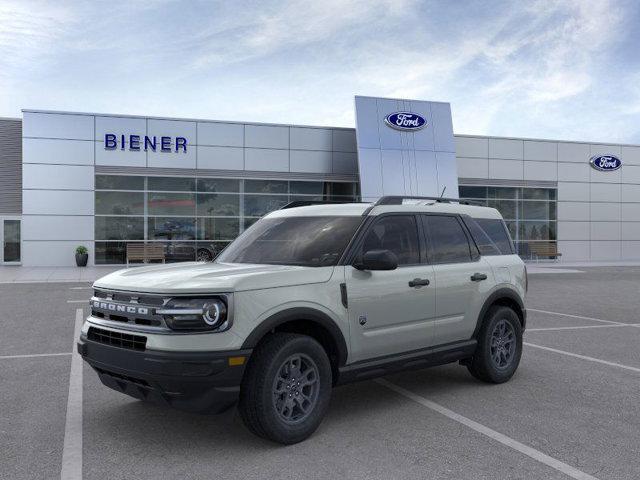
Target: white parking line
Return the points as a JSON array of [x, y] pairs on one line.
[[497, 436], [78, 301], [583, 357], [7, 357], [577, 316], [80, 288], [579, 327], [72, 449]]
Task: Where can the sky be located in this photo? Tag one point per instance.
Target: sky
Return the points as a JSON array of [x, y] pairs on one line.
[[565, 69]]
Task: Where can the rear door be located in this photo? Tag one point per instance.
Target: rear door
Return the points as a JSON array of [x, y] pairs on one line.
[[462, 277], [391, 311]]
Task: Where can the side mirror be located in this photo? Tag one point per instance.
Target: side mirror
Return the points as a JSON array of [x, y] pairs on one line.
[[377, 260]]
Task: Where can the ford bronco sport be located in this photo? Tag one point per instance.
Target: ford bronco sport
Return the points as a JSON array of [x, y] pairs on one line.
[[310, 297]]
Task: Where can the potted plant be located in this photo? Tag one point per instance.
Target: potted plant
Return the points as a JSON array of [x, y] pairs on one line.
[[82, 255]]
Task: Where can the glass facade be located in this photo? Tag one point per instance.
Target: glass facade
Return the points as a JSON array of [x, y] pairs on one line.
[[530, 213], [192, 217]]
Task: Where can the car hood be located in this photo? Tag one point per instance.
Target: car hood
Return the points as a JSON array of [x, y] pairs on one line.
[[203, 277]]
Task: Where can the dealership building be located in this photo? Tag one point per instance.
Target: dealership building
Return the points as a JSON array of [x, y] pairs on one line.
[[191, 186]]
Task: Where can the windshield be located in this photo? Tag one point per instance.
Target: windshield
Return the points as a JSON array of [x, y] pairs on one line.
[[305, 241]]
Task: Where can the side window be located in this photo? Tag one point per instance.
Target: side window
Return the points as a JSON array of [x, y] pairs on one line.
[[485, 244], [448, 241], [497, 232], [397, 233]]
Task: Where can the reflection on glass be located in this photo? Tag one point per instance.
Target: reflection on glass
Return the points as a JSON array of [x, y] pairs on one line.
[[119, 228], [537, 231], [170, 215], [507, 208], [218, 228], [107, 253], [207, 251], [119, 182], [119, 203], [258, 205], [172, 204], [210, 204], [502, 192], [265, 186], [172, 184], [214, 185], [307, 188], [11, 242], [472, 192], [537, 210], [171, 228]]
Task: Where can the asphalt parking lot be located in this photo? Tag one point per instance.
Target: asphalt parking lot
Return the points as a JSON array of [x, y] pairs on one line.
[[571, 411]]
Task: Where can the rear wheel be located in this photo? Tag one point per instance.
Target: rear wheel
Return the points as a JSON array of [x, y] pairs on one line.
[[287, 387], [499, 346]]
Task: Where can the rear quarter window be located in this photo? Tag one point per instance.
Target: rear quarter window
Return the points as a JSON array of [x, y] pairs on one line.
[[491, 236]]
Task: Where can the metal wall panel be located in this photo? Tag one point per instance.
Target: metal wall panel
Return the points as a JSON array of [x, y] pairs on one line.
[[10, 167], [395, 162], [221, 134], [311, 139], [58, 125], [60, 152]]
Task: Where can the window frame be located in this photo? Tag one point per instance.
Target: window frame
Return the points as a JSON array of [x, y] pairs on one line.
[[474, 252], [354, 249]]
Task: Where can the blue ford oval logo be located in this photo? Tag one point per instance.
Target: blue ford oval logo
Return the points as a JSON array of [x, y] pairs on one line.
[[605, 163], [405, 121]]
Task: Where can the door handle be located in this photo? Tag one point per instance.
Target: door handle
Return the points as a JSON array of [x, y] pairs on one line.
[[419, 282], [477, 277]]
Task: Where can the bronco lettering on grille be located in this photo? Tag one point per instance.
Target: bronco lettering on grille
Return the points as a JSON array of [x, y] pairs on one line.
[[114, 307]]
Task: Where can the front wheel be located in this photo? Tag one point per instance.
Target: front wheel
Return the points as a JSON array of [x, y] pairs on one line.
[[286, 390], [499, 347]]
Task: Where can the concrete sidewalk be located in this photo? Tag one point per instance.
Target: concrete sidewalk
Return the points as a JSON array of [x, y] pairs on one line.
[[19, 274]]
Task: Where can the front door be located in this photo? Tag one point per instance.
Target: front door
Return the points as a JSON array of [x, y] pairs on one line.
[[10, 240], [387, 314]]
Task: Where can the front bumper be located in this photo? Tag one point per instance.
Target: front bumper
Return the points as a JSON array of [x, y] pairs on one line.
[[201, 382]]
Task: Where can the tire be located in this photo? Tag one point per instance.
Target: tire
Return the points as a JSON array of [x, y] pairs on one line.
[[495, 360], [273, 403], [204, 255]]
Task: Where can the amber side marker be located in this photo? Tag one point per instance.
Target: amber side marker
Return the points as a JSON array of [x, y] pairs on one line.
[[236, 361]]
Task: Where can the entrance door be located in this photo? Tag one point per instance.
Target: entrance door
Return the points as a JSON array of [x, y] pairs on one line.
[[10, 238]]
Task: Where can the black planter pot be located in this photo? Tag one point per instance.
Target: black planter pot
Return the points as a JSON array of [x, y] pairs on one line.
[[81, 259]]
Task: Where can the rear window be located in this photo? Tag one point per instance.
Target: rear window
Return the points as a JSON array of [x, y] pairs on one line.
[[491, 236]]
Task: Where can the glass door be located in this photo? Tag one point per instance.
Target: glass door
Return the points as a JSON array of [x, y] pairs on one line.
[[10, 238]]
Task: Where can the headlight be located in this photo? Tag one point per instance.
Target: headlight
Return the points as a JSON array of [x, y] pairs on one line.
[[196, 314]]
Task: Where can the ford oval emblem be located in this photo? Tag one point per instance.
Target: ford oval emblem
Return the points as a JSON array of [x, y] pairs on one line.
[[405, 121], [605, 163]]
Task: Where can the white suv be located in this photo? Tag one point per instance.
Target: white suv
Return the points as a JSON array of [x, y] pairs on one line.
[[310, 297]]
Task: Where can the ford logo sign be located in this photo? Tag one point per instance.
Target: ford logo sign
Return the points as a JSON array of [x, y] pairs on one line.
[[405, 121], [605, 163]]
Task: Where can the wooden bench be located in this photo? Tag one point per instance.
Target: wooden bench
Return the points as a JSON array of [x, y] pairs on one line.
[[143, 252], [544, 249]]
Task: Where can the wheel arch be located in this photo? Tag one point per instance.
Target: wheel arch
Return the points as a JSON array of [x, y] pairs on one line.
[[307, 321], [508, 298]]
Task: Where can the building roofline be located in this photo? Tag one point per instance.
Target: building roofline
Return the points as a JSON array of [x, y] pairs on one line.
[[548, 140], [180, 119], [402, 99], [11, 118]]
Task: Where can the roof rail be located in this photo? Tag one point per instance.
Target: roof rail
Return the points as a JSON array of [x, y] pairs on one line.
[[307, 203], [398, 199]]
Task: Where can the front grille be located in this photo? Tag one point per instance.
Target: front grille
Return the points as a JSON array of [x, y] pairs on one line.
[[129, 308], [117, 339]]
